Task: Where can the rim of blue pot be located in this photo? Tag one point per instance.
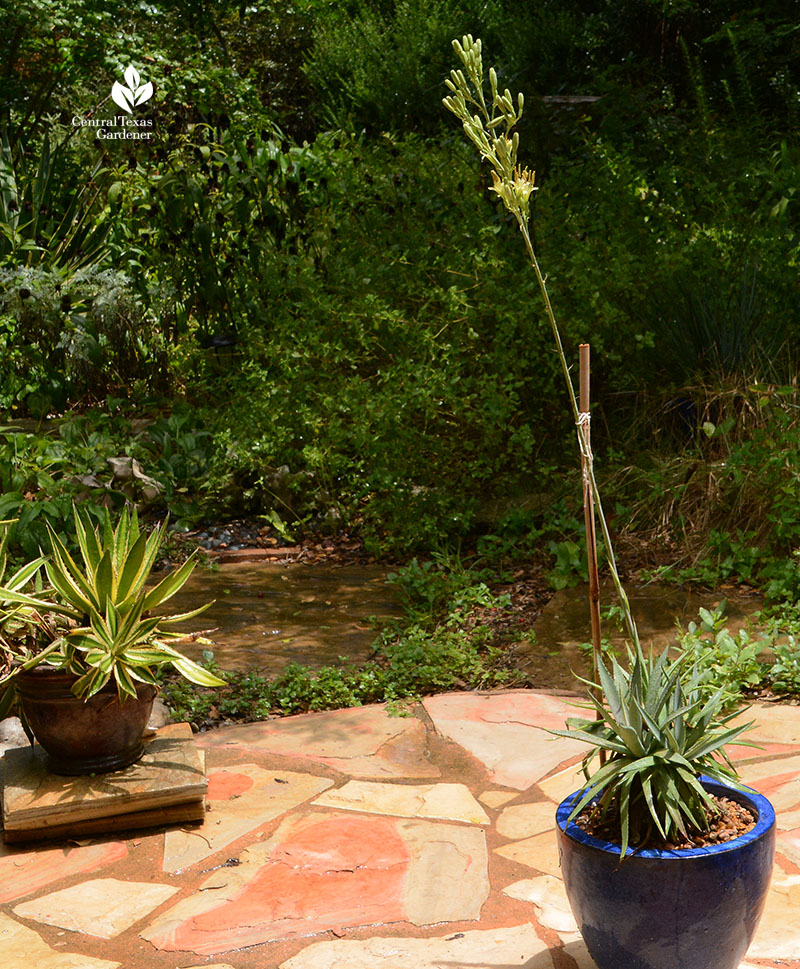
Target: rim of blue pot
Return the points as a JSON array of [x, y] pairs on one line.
[[765, 811]]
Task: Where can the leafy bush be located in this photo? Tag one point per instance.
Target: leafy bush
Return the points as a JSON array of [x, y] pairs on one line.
[[724, 661]]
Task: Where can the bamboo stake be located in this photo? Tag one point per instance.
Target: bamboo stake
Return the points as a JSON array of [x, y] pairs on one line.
[[588, 510]]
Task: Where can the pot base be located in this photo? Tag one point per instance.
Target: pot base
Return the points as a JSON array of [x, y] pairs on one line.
[[94, 736], [72, 767]]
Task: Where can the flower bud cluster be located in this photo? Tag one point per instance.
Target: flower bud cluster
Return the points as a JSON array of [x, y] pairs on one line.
[[491, 131]]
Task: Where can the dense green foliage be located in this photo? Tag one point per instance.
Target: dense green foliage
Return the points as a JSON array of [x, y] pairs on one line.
[[299, 296]]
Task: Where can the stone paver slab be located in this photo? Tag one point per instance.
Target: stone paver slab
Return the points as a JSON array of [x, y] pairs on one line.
[[774, 723], [484, 948], [323, 871], [539, 852], [501, 730], [788, 820], [788, 844], [778, 780], [103, 907], [547, 893], [511, 706], [448, 878], [22, 947], [496, 799], [362, 742], [240, 799], [451, 802], [525, 820], [575, 947], [24, 872], [778, 933], [562, 784]]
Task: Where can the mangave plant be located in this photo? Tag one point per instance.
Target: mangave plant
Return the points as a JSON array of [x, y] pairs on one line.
[[656, 732], [660, 732]]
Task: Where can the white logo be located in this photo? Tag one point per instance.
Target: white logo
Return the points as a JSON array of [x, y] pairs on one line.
[[132, 95]]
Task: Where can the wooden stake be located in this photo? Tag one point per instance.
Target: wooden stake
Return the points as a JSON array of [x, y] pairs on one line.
[[588, 512]]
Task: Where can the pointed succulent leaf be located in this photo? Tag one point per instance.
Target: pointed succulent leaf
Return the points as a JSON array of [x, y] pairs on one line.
[[192, 671], [87, 541], [24, 574], [170, 584], [134, 571], [715, 742], [124, 680], [184, 616], [596, 741]]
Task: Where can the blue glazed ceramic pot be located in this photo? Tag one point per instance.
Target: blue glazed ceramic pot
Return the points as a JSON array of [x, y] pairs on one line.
[[692, 909]]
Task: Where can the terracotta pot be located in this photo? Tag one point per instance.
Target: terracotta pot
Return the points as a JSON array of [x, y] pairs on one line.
[[659, 909], [91, 736]]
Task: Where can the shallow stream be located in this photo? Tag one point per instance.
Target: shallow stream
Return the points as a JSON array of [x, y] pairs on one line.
[[267, 615]]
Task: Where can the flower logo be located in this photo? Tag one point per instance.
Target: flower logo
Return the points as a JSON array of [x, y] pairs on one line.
[[128, 97]]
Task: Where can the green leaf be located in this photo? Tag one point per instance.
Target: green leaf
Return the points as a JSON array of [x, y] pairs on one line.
[[135, 570], [170, 584]]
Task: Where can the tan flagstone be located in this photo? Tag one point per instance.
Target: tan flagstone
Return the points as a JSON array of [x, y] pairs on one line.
[[22, 947], [452, 802], [778, 779], [448, 878], [561, 785], [525, 820], [362, 741], [517, 706], [484, 948], [788, 820], [548, 895], [788, 844], [500, 730], [575, 947], [778, 933], [774, 723], [258, 796], [102, 907], [496, 799], [539, 853]]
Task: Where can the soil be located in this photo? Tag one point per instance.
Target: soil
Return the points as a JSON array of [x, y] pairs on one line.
[[732, 821]]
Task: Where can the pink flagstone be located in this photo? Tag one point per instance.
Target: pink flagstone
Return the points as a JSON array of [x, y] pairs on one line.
[[322, 871], [224, 785], [329, 871], [27, 870], [240, 800]]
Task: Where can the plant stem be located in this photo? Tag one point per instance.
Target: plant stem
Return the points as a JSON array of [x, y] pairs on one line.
[[586, 451]]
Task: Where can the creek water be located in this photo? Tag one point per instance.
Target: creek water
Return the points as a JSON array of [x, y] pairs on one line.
[[564, 624], [266, 616]]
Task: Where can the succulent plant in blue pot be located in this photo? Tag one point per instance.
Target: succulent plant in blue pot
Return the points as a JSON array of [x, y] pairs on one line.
[[661, 866], [651, 881]]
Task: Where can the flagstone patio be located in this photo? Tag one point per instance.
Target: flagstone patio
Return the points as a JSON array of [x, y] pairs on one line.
[[358, 840]]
